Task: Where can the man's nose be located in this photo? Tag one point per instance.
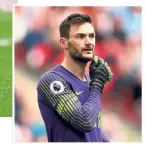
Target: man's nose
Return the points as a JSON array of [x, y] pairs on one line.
[[88, 41]]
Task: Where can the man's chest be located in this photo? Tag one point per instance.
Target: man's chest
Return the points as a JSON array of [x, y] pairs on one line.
[[81, 90]]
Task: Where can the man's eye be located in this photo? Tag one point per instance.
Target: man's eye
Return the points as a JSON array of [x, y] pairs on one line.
[[81, 36], [92, 36]]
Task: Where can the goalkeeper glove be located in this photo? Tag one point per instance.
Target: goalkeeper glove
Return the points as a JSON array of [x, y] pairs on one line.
[[100, 73]]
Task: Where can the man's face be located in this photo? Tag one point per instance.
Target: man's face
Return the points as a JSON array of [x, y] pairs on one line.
[[81, 42]]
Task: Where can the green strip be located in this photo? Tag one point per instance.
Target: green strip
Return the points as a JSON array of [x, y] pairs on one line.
[[95, 59]]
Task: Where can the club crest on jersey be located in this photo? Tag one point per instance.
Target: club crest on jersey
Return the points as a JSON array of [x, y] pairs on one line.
[[56, 87]]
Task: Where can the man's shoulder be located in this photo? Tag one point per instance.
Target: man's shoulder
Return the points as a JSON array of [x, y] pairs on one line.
[[51, 75]]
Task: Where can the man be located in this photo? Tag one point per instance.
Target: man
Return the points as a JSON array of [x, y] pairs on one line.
[[68, 100]]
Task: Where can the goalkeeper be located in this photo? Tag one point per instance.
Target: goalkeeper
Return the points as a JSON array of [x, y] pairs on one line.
[[69, 100]]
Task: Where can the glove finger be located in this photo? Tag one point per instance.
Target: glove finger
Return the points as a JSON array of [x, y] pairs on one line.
[[94, 61], [109, 71], [97, 61], [101, 61], [110, 74]]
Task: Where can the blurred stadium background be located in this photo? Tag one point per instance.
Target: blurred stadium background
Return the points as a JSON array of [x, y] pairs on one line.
[[6, 57], [118, 41]]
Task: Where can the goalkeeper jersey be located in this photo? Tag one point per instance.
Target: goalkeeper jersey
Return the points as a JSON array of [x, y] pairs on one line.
[[69, 107]]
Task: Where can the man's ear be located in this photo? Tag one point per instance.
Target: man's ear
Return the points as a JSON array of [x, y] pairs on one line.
[[63, 43]]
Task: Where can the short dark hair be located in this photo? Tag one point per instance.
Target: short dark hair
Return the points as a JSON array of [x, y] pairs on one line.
[[73, 19]]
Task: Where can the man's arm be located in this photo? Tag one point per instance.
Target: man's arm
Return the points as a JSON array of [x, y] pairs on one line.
[[66, 103], [60, 96]]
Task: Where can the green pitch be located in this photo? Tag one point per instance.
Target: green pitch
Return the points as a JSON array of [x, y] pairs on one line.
[[5, 64]]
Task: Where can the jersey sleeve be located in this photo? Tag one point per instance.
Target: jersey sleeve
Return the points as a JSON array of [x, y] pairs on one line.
[[63, 100]]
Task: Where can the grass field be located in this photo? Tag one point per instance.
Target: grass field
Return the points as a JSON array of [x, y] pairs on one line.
[[5, 64]]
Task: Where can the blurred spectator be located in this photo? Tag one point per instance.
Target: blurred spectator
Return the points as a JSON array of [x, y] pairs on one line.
[[130, 18], [20, 26]]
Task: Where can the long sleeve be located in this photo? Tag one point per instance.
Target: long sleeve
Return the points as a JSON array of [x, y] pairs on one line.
[[65, 102]]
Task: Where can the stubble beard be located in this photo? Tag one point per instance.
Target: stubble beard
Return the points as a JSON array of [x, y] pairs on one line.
[[76, 55]]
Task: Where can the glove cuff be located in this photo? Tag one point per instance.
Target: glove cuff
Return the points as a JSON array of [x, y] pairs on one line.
[[97, 84]]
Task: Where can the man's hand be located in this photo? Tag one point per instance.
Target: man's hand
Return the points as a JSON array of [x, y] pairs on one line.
[[100, 73]]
